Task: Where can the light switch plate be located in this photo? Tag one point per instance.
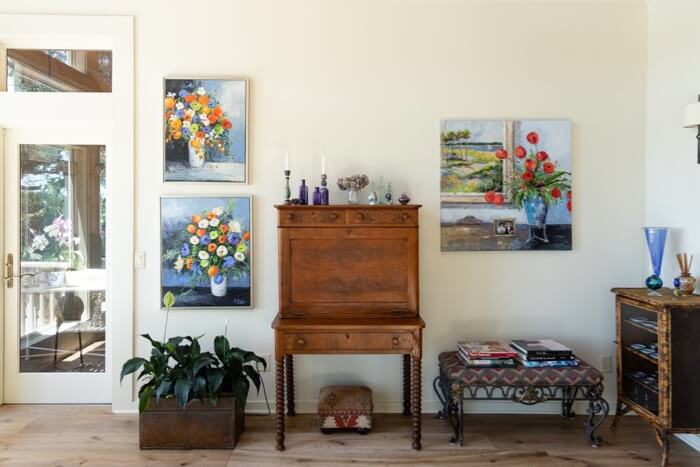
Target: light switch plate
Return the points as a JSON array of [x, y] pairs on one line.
[[139, 260]]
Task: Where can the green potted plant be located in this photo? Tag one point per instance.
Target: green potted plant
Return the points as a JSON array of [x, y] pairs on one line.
[[189, 398]]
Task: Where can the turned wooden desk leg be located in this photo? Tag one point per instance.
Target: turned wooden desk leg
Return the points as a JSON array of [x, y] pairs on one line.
[[407, 384], [289, 367], [416, 401], [279, 403]]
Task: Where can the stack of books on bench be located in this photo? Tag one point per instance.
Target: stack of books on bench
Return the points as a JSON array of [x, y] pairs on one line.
[[487, 354], [544, 353]]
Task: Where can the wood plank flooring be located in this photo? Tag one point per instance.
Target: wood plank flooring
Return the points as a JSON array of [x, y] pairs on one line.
[[93, 436]]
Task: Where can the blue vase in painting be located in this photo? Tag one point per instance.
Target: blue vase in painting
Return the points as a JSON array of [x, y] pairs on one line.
[[656, 242], [536, 211]]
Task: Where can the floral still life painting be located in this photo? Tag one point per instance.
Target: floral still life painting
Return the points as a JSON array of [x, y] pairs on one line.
[[206, 251], [205, 127], [496, 169]]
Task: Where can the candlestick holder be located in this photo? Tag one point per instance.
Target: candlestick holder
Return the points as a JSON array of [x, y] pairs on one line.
[[324, 190], [287, 191]]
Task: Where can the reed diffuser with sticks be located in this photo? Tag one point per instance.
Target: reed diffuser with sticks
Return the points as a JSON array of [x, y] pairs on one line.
[[685, 283]]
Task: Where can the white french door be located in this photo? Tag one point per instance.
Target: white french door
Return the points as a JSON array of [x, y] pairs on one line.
[[57, 324]]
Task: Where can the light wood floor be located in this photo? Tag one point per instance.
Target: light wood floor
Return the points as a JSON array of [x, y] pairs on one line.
[[93, 436]]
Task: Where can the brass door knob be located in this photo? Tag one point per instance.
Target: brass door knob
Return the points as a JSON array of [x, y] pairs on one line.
[[301, 341], [395, 341]]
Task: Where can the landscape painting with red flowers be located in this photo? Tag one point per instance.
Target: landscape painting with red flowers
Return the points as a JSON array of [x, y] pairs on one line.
[[505, 185]]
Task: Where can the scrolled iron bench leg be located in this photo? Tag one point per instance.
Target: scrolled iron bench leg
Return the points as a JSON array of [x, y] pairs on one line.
[[457, 412], [597, 406]]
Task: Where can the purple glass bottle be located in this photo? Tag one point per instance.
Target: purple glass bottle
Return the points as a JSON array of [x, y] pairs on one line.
[[303, 192], [317, 196], [324, 196]]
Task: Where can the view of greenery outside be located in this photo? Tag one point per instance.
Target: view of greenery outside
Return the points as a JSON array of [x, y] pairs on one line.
[[46, 230], [20, 82]]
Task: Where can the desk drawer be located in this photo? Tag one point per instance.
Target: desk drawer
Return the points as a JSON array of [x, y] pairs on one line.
[[311, 217], [382, 216], [349, 341]]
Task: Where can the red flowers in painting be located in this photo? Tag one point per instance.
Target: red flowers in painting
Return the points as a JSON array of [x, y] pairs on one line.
[[502, 154], [536, 176]]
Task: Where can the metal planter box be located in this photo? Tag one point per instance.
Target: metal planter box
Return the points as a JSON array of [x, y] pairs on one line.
[[201, 425]]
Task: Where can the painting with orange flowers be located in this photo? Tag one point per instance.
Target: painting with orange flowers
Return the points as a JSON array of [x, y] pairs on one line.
[[205, 130], [497, 170], [206, 252]]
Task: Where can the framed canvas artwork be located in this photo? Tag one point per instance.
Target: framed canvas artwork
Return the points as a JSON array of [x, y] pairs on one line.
[[206, 251], [505, 185], [205, 129]]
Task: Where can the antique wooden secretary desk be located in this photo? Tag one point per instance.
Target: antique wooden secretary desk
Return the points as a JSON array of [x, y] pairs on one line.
[[348, 284]]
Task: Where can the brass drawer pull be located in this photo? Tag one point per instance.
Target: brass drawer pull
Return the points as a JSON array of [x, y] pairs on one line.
[[395, 341], [359, 216], [301, 341], [404, 217], [290, 217], [334, 216]]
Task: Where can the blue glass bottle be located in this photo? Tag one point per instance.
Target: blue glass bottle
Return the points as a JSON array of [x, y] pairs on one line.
[[317, 196], [303, 192], [656, 243]]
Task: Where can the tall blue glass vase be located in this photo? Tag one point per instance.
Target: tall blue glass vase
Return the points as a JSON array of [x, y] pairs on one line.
[[656, 242]]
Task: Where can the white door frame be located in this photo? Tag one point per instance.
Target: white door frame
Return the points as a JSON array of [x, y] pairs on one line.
[[18, 110]]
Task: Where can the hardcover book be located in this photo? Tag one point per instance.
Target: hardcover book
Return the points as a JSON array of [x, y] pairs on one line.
[[541, 348], [487, 349]]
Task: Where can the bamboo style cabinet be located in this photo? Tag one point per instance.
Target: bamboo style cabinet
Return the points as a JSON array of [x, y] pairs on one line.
[[658, 361], [348, 284]]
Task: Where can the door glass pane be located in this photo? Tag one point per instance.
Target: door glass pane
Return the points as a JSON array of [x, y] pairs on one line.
[[62, 258], [59, 70]]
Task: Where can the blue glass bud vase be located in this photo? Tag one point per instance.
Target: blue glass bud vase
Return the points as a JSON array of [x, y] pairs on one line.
[[656, 242]]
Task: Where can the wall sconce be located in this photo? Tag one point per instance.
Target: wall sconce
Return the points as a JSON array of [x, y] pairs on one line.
[[692, 120]]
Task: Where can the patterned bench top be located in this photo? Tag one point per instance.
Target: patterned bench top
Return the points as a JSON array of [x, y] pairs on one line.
[[583, 375]]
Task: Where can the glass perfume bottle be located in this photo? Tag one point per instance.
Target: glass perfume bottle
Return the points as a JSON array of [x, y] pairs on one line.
[[372, 198], [303, 192], [389, 196], [324, 196], [380, 190]]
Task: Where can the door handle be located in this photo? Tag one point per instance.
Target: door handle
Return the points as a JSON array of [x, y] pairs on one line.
[[10, 276]]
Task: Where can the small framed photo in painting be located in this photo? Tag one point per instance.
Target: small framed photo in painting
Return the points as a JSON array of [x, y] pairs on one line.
[[504, 227], [206, 251], [205, 127]]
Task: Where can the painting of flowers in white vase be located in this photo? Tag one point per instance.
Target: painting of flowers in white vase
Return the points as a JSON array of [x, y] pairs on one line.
[[493, 171], [206, 251], [205, 130]]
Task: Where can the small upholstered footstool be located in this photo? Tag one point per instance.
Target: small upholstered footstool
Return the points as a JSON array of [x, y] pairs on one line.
[[345, 408]]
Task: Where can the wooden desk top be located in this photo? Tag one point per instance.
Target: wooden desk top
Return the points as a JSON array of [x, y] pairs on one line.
[[355, 324], [667, 298]]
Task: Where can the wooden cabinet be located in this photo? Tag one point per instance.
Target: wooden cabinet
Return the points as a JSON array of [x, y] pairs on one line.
[[348, 284], [658, 361]]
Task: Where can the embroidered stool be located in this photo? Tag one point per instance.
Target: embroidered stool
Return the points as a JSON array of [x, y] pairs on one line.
[[345, 408]]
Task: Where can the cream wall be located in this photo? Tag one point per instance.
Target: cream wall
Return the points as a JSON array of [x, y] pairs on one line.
[[367, 82], [672, 170]]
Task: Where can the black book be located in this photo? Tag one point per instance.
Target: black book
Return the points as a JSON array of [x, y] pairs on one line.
[[541, 348]]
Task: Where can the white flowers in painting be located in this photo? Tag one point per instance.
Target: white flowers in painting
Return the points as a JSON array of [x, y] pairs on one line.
[[214, 222], [218, 211], [203, 224], [234, 226], [194, 240], [203, 254], [221, 251], [239, 256], [201, 91]]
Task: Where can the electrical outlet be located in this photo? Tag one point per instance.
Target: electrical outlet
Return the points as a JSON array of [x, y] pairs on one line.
[[606, 363], [268, 360]]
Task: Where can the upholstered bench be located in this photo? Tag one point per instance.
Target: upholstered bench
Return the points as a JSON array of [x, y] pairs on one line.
[[345, 408], [457, 383]]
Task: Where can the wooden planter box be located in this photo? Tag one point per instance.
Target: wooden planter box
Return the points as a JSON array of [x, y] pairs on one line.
[[200, 426]]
